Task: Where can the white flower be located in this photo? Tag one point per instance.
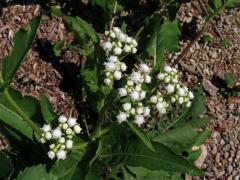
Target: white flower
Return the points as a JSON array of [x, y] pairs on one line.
[[173, 99], [146, 111], [181, 92], [42, 140], [169, 88], [139, 120], [48, 135], [161, 76], [190, 95], [51, 154], [77, 129], [167, 69], [117, 50], [121, 117], [167, 79], [116, 30], [113, 59], [145, 68], [129, 83], [135, 95], [112, 35], [46, 128], [69, 131], [134, 42], [162, 111], [69, 144], [132, 111], [61, 140], [128, 40], [142, 94], [148, 79], [127, 106], [121, 37], [136, 77], [61, 154], [72, 122], [140, 110], [134, 50], [160, 106], [107, 46], [127, 49], [56, 133], [180, 100], [123, 66], [188, 104], [108, 81], [153, 99], [110, 66], [138, 87], [117, 75], [122, 92], [62, 119]]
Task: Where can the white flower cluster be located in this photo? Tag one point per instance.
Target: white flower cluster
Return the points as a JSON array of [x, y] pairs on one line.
[[133, 88], [170, 82], [60, 138], [116, 43], [169, 93]]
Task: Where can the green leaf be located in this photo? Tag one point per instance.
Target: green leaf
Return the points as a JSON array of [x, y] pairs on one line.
[[145, 139], [30, 105], [22, 41], [143, 174], [57, 48], [90, 76], [47, 110], [182, 138], [225, 42], [215, 6], [15, 121], [35, 172], [230, 79], [134, 153], [163, 38], [107, 5], [78, 26], [5, 166]]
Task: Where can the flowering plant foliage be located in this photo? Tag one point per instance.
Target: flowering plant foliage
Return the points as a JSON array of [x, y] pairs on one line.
[[140, 120]]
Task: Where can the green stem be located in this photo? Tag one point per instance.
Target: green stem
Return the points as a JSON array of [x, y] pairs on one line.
[[20, 112]]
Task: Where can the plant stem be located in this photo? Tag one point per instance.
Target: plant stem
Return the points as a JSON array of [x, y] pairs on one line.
[[209, 19], [114, 12], [20, 112]]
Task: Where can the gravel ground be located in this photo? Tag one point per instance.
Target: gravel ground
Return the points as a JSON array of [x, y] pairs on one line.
[[205, 63]]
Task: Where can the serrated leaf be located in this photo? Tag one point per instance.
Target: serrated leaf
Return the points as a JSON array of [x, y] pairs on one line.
[[145, 139], [134, 153], [143, 174], [183, 137], [15, 121], [47, 110], [215, 6], [22, 41], [5, 166], [35, 172]]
